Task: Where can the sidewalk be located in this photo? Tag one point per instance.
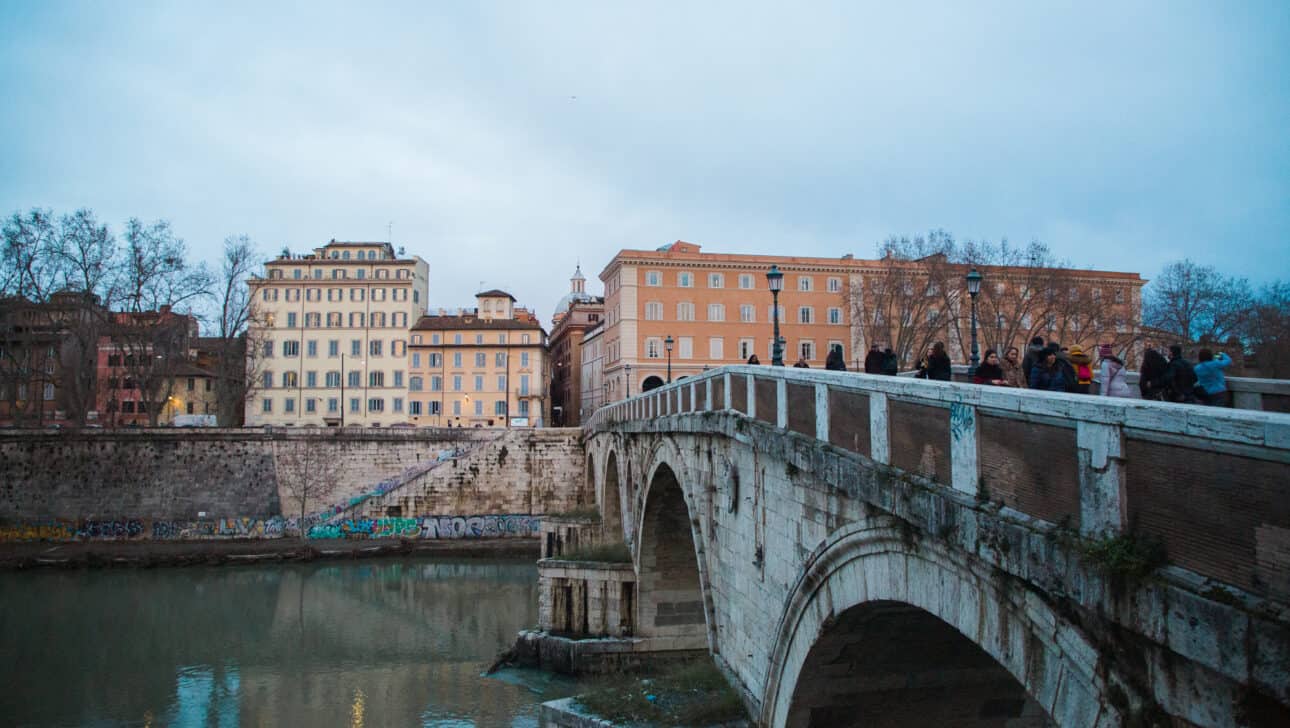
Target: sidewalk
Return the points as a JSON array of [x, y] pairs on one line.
[[35, 554]]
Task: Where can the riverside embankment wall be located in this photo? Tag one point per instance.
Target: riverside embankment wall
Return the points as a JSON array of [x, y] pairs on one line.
[[201, 483]]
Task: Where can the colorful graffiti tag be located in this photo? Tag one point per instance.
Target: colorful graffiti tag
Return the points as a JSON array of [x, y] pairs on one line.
[[130, 529]]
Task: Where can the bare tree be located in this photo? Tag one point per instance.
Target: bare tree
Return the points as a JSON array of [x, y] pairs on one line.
[[1268, 330], [898, 305], [1197, 303], [307, 469], [237, 356], [30, 267], [155, 271]]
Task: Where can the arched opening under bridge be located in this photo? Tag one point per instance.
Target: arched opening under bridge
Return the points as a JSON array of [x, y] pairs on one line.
[[671, 593], [651, 382], [887, 663], [610, 505]]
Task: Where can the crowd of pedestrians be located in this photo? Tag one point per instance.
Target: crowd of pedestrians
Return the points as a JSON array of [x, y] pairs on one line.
[[1049, 366]]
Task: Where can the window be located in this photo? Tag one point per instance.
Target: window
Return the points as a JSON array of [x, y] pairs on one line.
[[479, 407], [333, 347], [479, 382], [291, 348], [291, 318], [356, 294], [416, 360], [311, 348], [360, 274], [435, 408], [807, 349], [524, 408], [524, 339], [745, 349], [414, 408], [835, 315], [479, 338], [653, 278], [835, 285], [289, 405], [499, 408], [1119, 295], [436, 360], [332, 379], [356, 320], [456, 359], [436, 383], [745, 281], [376, 379], [685, 347], [805, 315], [311, 379], [524, 358], [716, 348], [311, 405], [747, 313], [355, 379], [192, 384], [266, 380], [266, 405], [685, 311], [716, 312], [456, 339], [375, 404], [501, 383], [501, 338], [49, 393], [653, 311], [456, 407], [524, 384], [415, 384], [716, 280], [378, 294], [499, 359], [456, 382], [770, 312], [653, 348], [355, 404], [481, 359], [685, 279], [374, 347], [804, 283], [397, 404]]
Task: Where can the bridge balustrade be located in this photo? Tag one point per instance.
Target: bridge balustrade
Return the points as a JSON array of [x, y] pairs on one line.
[[1210, 483]]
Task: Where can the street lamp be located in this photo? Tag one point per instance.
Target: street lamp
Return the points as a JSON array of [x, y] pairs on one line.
[[627, 379], [974, 287], [667, 344], [775, 280]]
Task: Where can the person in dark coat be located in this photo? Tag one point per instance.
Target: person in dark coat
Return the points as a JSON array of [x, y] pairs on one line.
[[1151, 376], [990, 371], [834, 362], [936, 365], [873, 360], [890, 363], [1034, 355], [1048, 375], [801, 363], [1180, 377]]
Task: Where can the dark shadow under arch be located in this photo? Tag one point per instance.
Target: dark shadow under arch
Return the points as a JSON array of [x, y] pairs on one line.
[[611, 513], [651, 382], [887, 663], [671, 592]]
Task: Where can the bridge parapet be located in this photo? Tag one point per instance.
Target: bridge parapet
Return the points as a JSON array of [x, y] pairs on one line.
[[1211, 484]]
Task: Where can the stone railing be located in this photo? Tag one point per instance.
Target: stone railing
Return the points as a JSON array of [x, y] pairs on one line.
[[1248, 393], [1212, 484]]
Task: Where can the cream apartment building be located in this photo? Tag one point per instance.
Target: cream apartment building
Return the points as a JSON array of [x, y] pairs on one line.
[[479, 367], [329, 339]]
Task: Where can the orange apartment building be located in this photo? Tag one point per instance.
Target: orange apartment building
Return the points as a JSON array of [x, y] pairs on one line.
[[717, 310]]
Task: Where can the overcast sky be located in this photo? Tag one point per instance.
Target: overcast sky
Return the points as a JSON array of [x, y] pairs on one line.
[[506, 140]]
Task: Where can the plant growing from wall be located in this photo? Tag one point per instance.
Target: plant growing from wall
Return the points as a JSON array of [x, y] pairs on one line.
[[306, 470]]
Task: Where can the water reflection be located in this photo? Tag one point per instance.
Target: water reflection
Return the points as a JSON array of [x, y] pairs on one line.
[[369, 643]]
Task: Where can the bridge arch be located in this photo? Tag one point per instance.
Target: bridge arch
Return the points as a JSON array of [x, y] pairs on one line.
[[609, 498], [866, 592], [673, 601]]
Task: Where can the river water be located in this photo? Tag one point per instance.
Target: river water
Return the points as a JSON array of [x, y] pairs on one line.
[[389, 642]]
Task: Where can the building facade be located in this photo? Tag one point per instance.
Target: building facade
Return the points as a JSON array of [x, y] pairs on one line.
[[592, 372], [717, 309], [574, 315], [479, 367], [329, 336]]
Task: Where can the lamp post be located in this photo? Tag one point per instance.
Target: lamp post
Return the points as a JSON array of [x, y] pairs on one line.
[[667, 344], [775, 280], [974, 287], [627, 379]]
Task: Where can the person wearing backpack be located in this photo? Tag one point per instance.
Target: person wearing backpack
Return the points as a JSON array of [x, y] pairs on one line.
[[1180, 377]]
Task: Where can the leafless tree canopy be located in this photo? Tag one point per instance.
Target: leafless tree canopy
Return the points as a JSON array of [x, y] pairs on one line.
[[1197, 303]]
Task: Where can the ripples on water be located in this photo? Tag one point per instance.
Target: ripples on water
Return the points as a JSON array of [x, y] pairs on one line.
[[366, 643]]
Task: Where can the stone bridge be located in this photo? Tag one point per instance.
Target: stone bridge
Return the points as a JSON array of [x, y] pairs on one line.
[[864, 550]]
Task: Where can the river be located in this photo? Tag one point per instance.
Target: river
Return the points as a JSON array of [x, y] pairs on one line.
[[381, 642]]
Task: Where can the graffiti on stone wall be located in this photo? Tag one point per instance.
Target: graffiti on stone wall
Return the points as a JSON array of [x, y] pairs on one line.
[[430, 527], [126, 529]]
